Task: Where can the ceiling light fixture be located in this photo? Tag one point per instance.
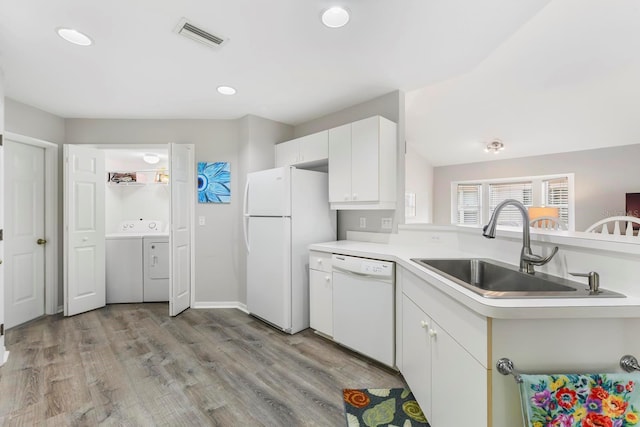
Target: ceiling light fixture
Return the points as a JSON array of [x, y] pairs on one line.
[[151, 158], [74, 36], [226, 90], [494, 146], [335, 17]]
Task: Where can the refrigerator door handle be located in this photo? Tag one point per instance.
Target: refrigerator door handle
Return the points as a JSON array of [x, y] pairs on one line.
[[245, 215], [245, 205]]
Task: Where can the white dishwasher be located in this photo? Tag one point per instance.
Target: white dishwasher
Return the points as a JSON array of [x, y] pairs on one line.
[[363, 306]]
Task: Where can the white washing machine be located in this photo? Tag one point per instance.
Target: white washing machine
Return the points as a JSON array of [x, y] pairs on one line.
[[136, 272]]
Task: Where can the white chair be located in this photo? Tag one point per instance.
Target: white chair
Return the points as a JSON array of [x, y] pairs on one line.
[[548, 223], [602, 226]]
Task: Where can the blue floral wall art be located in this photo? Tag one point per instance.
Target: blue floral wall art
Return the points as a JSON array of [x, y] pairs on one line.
[[214, 182]]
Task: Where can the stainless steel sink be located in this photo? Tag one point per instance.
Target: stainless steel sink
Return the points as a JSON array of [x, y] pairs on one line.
[[493, 279]]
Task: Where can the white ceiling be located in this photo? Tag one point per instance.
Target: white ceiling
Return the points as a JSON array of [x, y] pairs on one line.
[[544, 76], [567, 80], [284, 63]]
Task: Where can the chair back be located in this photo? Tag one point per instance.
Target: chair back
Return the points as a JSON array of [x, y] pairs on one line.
[[619, 223], [548, 223]]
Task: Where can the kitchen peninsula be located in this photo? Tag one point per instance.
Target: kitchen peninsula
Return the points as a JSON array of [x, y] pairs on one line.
[[448, 339]]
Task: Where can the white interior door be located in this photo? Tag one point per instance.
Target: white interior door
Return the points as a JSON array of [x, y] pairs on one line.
[[84, 229], [3, 353], [24, 233], [182, 182]]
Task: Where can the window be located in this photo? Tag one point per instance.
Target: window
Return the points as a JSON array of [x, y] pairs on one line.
[[556, 194], [469, 204], [473, 202], [520, 191]]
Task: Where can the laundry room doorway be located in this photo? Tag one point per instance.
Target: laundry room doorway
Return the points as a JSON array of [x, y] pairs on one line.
[[128, 225]]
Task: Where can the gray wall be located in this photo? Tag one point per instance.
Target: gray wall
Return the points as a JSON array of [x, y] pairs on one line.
[[216, 246], [419, 180], [29, 121], [390, 106], [602, 177], [246, 143]]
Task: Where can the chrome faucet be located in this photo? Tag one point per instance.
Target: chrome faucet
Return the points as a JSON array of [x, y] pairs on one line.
[[527, 258]]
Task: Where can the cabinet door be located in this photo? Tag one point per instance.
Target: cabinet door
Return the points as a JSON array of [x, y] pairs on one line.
[[286, 153], [458, 379], [365, 161], [314, 147], [340, 164], [321, 302], [416, 356]]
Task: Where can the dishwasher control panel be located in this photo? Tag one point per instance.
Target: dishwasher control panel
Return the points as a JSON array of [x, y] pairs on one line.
[[365, 266]]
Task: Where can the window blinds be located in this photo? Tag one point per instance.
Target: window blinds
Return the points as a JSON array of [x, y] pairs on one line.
[[520, 191], [556, 194], [469, 204]]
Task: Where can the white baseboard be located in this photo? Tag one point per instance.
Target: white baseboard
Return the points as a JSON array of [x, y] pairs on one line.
[[220, 304], [60, 309], [6, 357]]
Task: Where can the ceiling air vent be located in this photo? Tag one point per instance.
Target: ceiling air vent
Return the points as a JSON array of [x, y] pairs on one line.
[[189, 30]]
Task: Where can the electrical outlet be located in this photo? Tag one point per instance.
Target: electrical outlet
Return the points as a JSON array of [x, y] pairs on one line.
[[201, 220], [386, 223], [363, 222]]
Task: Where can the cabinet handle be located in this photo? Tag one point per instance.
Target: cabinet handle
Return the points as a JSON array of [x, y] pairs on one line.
[[319, 261], [327, 278], [432, 333], [424, 324], [355, 196]]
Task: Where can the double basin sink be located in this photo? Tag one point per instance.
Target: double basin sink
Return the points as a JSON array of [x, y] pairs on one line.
[[493, 279]]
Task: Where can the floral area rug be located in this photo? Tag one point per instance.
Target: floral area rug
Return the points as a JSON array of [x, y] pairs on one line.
[[371, 407]]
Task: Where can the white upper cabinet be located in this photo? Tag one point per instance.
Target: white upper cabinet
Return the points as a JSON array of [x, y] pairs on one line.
[[308, 150], [362, 165]]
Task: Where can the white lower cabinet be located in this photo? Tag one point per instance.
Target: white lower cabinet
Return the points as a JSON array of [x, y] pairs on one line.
[[320, 293], [449, 383], [321, 296], [416, 353]]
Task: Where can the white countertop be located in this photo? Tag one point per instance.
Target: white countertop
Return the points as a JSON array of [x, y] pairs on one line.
[[523, 308]]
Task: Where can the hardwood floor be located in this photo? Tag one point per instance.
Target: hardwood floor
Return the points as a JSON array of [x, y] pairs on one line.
[[132, 364]]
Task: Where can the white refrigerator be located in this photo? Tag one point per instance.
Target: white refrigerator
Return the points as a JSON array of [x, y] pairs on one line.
[[285, 210]]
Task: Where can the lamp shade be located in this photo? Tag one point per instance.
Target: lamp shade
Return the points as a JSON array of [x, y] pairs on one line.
[[543, 211]]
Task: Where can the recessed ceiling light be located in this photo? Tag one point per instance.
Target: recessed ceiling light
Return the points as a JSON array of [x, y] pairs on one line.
[[335, 17], [226, 90], [74, 36]]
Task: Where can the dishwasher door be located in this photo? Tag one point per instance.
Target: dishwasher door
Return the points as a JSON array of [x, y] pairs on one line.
[[363, 307]]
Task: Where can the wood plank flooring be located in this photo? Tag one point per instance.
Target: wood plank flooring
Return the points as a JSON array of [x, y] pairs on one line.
[[133, 365]]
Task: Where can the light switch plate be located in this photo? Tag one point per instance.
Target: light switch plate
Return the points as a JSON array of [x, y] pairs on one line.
[[363, 222], [201, 220]]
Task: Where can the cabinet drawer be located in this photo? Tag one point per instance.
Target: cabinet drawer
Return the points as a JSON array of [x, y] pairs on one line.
[[320, 261], [468, 328]]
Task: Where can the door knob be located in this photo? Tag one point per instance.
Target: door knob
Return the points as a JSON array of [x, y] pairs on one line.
[[41, 241]]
